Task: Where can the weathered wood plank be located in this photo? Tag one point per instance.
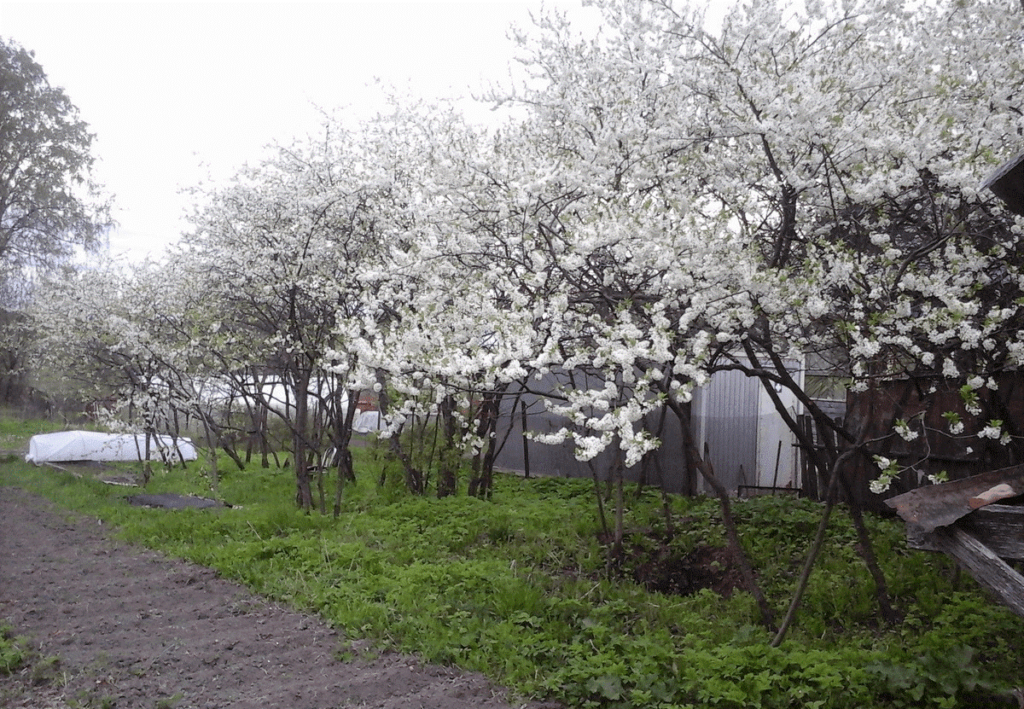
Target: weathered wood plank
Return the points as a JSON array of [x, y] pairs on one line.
[[984, 565], [999, 527]]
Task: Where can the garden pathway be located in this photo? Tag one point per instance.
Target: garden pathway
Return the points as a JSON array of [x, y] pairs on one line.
[[134, 629]]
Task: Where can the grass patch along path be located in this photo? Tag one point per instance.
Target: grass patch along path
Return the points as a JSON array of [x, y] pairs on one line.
[[116, 625]]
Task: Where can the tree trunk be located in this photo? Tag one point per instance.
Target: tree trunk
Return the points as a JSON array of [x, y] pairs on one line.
[[526, 439], [303, 491], [413, 476], [343, 439], [733, 538], [815, 550], [211, 444], [600, 500], [864, 547], [617, 479], [147, 466], [866, 550], [481, 482], [731, 532], [447, 479], [321, 491]]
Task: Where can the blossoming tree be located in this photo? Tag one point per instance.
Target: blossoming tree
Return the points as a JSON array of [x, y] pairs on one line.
[[282, 256], [803, 181], [119, 338]]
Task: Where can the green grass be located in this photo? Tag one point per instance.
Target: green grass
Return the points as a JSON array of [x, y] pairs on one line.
[[16, 431], [515, 587], [14, 652]]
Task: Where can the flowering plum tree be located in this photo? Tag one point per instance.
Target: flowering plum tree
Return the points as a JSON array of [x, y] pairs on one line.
[[118, 337], [803, 181], [444, 337], [284, 257]]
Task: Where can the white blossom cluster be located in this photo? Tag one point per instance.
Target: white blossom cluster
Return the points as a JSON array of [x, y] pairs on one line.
[[804, 180]]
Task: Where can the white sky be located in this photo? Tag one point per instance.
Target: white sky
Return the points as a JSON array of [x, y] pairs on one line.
[[178, 91]]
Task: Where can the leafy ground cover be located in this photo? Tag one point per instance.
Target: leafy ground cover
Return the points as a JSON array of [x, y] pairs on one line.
[[14, 651], [517, 588]]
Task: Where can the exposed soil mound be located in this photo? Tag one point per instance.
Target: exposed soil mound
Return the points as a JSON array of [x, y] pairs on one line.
[[667, 570]]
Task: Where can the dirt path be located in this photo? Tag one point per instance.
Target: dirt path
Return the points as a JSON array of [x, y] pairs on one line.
[[132, 628]]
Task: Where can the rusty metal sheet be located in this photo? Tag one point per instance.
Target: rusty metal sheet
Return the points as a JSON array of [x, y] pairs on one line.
[[941, 505]]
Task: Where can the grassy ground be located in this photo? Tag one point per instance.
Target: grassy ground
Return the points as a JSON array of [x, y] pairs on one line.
[[517, 587]]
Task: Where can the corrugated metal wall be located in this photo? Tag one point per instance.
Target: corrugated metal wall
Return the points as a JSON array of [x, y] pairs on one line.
[[729, 416], [725, 418], [560, 460]]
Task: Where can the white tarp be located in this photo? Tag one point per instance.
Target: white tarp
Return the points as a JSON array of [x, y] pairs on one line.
[[67, 446], [366, 422]]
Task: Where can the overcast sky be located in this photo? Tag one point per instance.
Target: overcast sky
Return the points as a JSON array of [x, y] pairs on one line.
[[178, 91]]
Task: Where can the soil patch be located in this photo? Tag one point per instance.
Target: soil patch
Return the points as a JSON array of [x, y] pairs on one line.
[[123, 627], [659, 567]]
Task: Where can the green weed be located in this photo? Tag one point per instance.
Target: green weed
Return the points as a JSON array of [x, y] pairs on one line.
[[515, 587], [14, 652]]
